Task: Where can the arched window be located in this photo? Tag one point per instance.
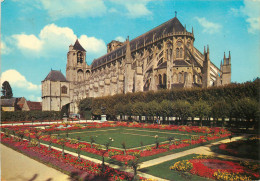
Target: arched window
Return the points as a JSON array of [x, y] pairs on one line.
[[177, 52], [80, 76], [181, 52], [160, 79], [180, 77], [87, 74], [185, 76], [64, 89], [79, 57], [164, 79]]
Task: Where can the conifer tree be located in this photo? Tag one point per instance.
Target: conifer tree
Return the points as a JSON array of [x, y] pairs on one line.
[[7, 90]]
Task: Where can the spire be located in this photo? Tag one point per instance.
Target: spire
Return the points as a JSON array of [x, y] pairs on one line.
[[208, 52], [77, 46], [192, 30], [128, 51], [204, 49], [229, 56], [224, 55], [175, 14]]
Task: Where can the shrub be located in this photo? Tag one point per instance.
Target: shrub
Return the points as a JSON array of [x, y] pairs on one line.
[[184, 166]]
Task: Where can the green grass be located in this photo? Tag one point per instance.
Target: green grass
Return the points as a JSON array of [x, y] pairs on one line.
[[163, 171], [242, 148], [131, 136]]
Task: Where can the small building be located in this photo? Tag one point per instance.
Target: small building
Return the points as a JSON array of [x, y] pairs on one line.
[[9, 104], [32, 106], [55, 91]]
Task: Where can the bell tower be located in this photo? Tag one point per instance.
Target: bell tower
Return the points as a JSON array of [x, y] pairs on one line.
[[76, 63]]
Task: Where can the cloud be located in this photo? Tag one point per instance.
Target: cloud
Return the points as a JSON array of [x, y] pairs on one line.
[[135, 8], [77, 8], [93, 45], [53, 39], [120, 38], [4, 48], [251, 12], [208, 27], [30, 42], [18, 80], [34, 98]]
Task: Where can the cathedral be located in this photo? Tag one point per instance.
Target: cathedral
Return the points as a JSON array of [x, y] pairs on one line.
[[162, 58]]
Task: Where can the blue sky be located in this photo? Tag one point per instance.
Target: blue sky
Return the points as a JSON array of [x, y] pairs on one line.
[[36, 34]]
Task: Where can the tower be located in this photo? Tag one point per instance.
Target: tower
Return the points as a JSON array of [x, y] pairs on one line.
[[206, 69], [128, 78], [76, 63], [226, 70]]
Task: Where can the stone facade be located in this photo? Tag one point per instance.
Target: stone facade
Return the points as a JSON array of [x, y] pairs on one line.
[[162, 58], [55, 91]]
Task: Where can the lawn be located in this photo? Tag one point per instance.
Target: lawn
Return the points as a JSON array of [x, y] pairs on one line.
[[240, 148], [163, 171], [131, 136]]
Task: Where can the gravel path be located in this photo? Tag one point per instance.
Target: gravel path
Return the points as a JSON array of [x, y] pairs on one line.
[[18, 167]]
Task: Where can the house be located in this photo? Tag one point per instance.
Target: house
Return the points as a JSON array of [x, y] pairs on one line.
[[32, 106], [9, 104]]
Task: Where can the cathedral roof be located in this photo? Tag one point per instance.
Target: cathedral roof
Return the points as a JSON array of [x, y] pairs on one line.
[[162, 65], [77, 46], [180, 63], [173, 25], [55, 75]]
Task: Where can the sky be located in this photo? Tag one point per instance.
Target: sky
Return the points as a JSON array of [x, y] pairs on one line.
[[36, 34]]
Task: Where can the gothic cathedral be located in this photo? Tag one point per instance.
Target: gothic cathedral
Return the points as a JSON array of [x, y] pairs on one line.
[[162, 58]]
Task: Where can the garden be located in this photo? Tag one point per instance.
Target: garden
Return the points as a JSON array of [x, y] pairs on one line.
[[122, 143], [147, 126], [205, 167]]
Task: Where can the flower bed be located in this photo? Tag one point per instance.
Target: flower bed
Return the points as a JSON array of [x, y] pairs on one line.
[[210, 167], [68, 164], [212, 133], [241, 148]]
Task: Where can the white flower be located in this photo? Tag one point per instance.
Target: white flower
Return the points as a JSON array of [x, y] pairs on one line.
[[156, 136]]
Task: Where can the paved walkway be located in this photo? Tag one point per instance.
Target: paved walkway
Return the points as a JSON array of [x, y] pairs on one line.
[[18, 167]]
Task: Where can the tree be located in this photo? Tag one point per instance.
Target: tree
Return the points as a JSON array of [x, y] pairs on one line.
[[79, 147], [7, 90], [138, 109], [221, 109], [248, 109], [182, 109], [201, 109], [152, 109], [166, 109]]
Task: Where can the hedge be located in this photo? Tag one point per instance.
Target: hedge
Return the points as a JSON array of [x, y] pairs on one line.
[[124, 103], [30, 115]]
